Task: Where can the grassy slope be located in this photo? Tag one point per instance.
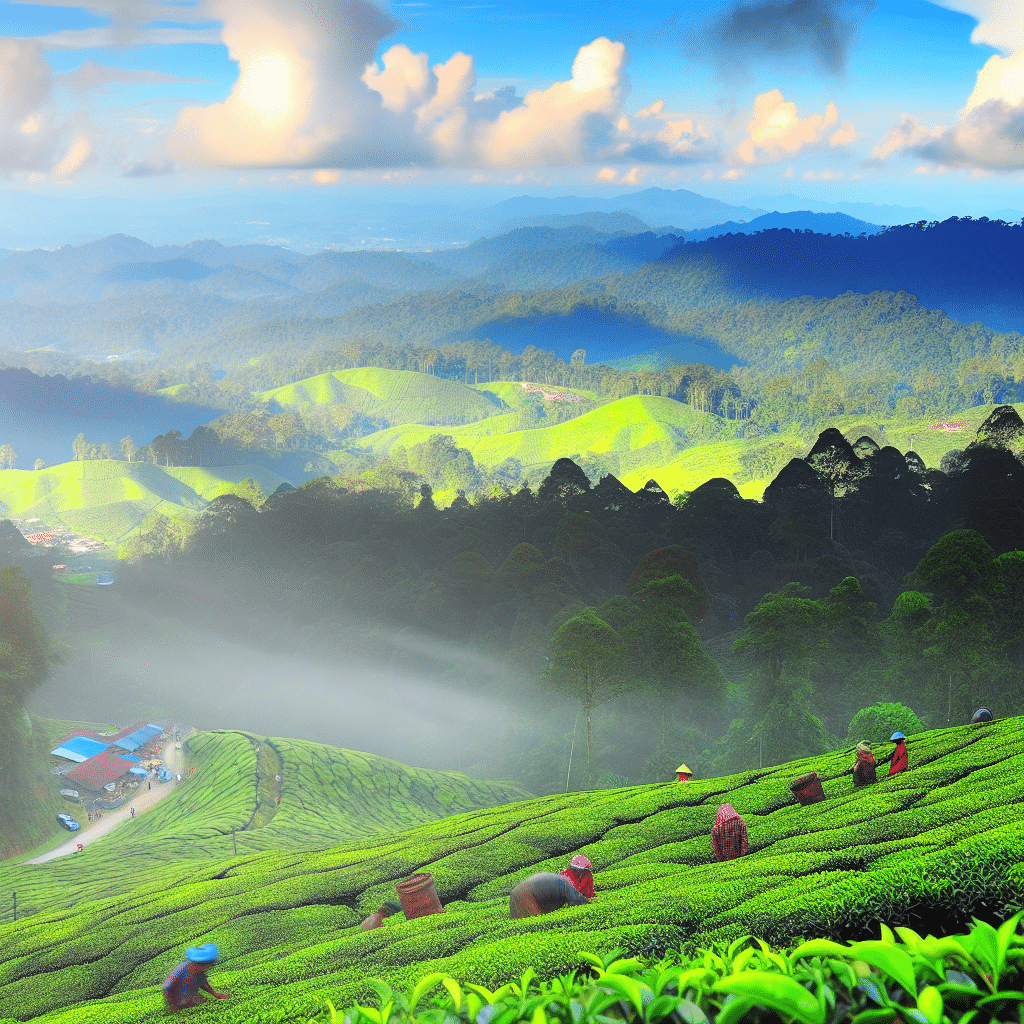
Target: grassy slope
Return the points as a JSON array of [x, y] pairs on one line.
[[396, 396], [213, 481], [285, 920], [642, 429], [108, 499]]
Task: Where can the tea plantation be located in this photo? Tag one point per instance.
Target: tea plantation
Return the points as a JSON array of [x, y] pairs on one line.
[[926, 849]]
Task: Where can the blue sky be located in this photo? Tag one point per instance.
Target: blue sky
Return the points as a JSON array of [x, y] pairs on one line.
[[891, 101]]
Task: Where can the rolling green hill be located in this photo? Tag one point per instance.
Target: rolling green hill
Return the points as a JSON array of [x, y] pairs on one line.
[[927, 848], [640, 430], [210, 482], [108, 500], [396, 396]]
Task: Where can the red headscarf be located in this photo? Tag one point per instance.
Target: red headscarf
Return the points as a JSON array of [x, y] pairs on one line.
[[725, 811], [580, 873]]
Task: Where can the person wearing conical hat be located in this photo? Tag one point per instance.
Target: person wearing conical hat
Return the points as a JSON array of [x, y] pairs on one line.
[[580, 872], [728, 834], [864, 766], [899, 758], [181, 989], [683, 774]]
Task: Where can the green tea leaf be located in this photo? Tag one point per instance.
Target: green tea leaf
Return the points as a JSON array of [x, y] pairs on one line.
[[889, 960], [734, 1010], [626, 988], [779, 992], [929, 1002]]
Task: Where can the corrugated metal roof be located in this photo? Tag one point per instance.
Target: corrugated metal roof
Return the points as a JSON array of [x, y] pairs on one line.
[[137, 738], [79, 748], [95, 773]]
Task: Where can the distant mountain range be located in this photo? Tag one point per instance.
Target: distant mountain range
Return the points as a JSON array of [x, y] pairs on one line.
[[798, 220], [204, 301]]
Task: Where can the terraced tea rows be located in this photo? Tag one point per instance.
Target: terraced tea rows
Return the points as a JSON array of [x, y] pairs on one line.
[[927, 848]]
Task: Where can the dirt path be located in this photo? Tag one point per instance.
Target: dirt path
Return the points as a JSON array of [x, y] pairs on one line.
[[143, 799]]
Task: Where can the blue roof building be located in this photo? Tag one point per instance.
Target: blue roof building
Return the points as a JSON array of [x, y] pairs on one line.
[[79, 748]]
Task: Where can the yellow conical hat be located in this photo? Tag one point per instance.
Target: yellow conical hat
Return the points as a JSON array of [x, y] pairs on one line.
[[683, 768]]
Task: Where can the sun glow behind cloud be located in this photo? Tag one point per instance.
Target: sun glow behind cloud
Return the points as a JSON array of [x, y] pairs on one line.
[[266, 84]]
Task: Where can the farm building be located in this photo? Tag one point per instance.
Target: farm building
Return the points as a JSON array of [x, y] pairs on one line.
[[100, 770], [80, 748]]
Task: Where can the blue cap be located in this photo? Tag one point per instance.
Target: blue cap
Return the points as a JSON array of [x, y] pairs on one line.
[[205, 954], [896, 736]]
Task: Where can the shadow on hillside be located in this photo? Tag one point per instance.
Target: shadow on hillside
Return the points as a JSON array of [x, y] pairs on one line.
[[603, 333]]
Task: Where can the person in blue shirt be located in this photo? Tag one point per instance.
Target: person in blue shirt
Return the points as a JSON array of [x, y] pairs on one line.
[[181, 989]]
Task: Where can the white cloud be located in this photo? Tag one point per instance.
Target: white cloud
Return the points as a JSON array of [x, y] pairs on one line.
[[988, 134], [777, 132], [26, 141], [79, 153], [404, 81], [311, 95], [1000, 22]]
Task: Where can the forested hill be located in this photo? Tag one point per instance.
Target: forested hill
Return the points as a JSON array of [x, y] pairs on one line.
[[971, 269]]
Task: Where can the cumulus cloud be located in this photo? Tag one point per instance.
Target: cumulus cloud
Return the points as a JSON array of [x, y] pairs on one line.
[[777, 132], [298, 100], [988, 134], [310, 94], [26, 141], [824, 29], [1000, 22]]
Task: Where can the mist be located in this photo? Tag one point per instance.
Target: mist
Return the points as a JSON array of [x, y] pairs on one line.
[[401, 694]]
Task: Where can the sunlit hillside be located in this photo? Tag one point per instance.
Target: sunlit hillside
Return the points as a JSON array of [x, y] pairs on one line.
[[396, 396], [109, 500], [927, 848], [643, 430]]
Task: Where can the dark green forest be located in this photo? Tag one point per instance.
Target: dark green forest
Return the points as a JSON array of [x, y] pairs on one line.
[[743, 632]]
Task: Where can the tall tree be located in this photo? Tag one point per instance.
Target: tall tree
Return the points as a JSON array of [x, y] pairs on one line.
[[128, 449], [26, 656], [666, 653], [586, 663]]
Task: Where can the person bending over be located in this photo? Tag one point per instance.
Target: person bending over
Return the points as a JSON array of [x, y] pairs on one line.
[[543, 892], [181, 989]]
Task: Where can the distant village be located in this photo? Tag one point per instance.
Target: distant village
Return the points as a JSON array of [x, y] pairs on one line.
[[100, 771], [36, 532]]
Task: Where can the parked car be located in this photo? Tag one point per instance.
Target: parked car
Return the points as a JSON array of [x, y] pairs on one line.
[[66, 821]]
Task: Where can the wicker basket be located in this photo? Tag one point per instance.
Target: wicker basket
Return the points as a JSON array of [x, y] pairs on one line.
[[418, 897], [807, 789]]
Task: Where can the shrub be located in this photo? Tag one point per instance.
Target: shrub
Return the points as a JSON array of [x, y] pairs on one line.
[[878, 722]]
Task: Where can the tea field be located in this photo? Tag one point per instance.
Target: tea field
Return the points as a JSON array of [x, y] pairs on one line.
[[926, 849]]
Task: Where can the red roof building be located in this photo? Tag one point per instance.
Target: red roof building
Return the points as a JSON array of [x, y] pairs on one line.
[[100, 769]]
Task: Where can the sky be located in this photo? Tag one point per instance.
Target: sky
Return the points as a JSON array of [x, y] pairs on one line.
[[885, 101]]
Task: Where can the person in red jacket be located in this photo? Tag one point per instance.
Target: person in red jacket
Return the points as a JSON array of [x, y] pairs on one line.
[[729, 834], [900, 759], [864, 766], [580, 872]]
